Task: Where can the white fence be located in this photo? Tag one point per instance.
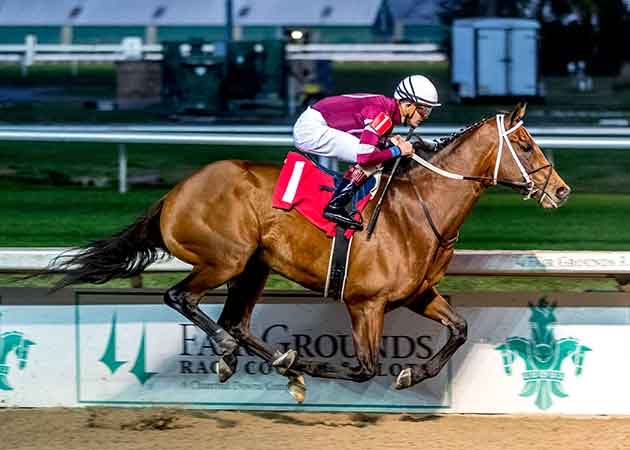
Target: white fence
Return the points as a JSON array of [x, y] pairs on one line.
[[278, 136], [132, 48], [581, 264]]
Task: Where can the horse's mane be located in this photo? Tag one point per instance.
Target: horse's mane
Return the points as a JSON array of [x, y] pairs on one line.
[[441, 144]]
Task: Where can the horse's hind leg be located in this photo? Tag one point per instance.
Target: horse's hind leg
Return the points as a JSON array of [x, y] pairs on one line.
[[243, 293], [432, 305], [184, 297]]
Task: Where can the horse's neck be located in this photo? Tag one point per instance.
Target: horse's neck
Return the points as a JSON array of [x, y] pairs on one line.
[[450, 201]]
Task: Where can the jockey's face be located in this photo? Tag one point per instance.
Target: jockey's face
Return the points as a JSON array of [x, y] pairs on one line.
[[414, 114], [423, 112]]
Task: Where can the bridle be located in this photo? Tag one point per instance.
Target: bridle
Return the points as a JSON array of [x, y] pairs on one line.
[[527, 187]]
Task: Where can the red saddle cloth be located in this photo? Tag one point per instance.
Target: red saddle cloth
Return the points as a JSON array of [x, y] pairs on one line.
[[303, 186]]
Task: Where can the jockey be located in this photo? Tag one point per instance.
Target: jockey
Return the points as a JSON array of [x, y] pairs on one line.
[[352, 128]]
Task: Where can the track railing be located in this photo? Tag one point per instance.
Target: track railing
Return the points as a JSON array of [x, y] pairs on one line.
[[277, 136], [132, 48], [577, 264]]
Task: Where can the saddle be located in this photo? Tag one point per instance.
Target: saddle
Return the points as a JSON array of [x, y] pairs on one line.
[[307, 186]]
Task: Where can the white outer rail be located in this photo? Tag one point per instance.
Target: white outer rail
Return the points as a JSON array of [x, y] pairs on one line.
[[586, 142], [32, 134], [465, 262], [425, 130]]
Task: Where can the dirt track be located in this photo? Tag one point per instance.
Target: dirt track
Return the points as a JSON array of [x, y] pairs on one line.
[[170, 429]]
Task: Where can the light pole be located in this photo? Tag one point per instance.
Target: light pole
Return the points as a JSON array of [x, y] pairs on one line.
[[229, 26]]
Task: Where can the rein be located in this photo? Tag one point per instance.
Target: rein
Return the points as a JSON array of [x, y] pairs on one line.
[[377, 209]]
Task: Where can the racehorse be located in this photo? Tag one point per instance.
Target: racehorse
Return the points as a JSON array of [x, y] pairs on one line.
[[220, 220], [12, 341]]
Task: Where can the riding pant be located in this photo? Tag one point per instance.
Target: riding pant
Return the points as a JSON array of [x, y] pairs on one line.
[[312, 134]]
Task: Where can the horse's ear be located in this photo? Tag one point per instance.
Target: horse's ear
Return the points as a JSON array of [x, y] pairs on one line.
[[518, 114]]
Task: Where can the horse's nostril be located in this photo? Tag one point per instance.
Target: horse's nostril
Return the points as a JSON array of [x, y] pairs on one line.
[[562, 192]]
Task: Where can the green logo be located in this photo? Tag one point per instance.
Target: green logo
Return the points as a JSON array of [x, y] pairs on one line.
[[12, 342], [543, 356], [110, 359]]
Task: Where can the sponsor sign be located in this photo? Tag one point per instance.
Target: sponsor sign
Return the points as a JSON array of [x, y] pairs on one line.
[[149, 354], [526, 353]]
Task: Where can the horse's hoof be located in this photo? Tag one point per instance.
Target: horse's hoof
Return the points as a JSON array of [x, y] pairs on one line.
[[297, 388], [225, 370], [404, 379], [285, 361]]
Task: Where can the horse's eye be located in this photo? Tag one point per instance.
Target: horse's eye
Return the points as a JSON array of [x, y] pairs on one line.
[[527, 148]]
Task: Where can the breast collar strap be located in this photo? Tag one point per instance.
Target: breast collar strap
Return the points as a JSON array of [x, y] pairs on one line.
[[445, 243]]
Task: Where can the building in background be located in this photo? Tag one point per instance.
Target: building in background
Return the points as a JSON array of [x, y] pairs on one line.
[[98, 21], [418, 21], [320, 20]]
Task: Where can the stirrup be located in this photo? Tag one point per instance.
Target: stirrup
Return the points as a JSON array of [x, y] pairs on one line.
[[345, 221]]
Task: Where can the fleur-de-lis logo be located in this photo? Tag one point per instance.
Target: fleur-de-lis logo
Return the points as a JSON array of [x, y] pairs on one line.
[[543, 356]]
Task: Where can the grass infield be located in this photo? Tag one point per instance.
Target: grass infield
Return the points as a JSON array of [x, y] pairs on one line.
[[35, 216], [40, 207]]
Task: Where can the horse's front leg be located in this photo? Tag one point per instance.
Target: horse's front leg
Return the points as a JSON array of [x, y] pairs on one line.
[[432, 305], [367, 331]]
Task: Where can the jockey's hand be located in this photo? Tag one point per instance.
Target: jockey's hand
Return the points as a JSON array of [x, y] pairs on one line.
[[405, 147]]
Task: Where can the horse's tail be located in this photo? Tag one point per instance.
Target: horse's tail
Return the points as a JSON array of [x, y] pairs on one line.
[[123, 255]]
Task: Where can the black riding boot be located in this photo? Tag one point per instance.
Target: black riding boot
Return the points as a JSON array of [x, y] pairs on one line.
[[336, 208]]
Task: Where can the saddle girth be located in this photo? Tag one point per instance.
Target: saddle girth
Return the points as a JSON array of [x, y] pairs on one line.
[[338, 265]]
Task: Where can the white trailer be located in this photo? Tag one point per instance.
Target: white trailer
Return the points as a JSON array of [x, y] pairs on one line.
[[495, 57]]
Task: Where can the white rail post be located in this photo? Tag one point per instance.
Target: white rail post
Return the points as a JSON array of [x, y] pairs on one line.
[[291, 95], [30, 42], [122, 168], [132, 48]]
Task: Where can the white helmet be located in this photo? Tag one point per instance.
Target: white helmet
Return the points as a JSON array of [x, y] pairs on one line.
[[417, 89]]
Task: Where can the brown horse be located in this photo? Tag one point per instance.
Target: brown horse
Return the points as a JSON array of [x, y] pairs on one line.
[[221, 221]]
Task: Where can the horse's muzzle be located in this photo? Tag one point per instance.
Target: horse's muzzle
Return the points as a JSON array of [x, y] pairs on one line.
[[562, 194], [553, 199]]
